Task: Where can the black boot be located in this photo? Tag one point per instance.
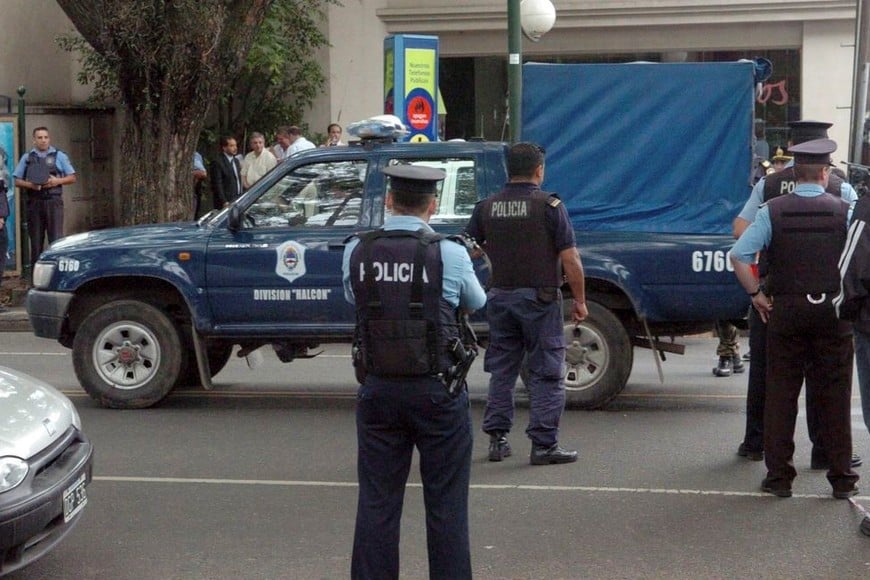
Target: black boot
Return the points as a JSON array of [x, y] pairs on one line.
[[737, 365], [499, 448], [550, 455], [724, 368]]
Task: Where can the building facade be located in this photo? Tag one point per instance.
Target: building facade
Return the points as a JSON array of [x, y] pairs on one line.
[[809, 42]]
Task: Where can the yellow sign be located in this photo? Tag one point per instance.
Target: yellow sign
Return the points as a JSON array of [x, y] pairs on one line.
[[420, 70], [419, 138]]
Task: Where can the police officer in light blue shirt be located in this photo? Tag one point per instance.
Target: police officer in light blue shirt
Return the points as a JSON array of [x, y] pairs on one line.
[[407, 285], [41, 173], [768, 188], [804, 234]]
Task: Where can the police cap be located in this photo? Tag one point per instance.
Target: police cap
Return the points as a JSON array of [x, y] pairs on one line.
[[803, 131], [815, 152], [780, 155], [414, 179]]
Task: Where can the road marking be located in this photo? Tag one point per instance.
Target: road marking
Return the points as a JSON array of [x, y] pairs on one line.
[[34, 353], [497, 487]]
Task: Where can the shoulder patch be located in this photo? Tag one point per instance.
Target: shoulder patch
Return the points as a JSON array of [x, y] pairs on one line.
[[554, 201]]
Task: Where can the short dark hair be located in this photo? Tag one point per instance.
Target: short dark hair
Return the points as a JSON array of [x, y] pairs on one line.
[[331, 125], [523, 159], [225, 140], [282, 130], [413, 202], [294, 130], [39, 129], [807, 171]]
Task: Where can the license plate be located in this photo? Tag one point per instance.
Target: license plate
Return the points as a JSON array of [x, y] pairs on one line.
[[74, 498]]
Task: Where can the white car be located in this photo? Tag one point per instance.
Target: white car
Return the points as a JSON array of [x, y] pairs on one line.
[[45, 466]]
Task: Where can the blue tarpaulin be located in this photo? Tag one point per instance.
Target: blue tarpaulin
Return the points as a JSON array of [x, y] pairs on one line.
[[644, 146]]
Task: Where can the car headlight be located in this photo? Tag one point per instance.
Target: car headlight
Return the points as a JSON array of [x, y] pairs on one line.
[[12, 472], [42, 273]]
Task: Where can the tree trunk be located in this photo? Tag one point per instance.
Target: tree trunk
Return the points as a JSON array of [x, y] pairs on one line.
[[172, 58]]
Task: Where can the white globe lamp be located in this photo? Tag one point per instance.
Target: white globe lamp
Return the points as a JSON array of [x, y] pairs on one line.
[[537, 18]]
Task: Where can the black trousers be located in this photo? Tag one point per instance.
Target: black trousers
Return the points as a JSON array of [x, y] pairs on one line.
[[44, 217], [806, 342], [753, 439]]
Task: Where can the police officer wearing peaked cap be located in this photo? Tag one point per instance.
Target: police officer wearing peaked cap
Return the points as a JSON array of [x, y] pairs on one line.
[[804, 233], [769, 187], [530, 242], [408, 285]]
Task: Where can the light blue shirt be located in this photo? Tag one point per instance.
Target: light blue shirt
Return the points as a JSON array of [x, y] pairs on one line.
[[758, 235], [198, 165], [756, 198], [61, 161], [460, 286]]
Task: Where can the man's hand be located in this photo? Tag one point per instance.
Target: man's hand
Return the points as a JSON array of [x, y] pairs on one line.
[[579, 312], [763, 304]]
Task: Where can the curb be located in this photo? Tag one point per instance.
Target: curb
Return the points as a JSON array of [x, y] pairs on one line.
[[15, 319]]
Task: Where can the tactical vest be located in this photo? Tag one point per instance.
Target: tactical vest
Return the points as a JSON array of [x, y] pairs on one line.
[[808, 235], [510, 217], [783, 182], [404, 324], [39, 169]]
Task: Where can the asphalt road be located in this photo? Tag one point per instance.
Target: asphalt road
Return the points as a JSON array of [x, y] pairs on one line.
[[256, 479]]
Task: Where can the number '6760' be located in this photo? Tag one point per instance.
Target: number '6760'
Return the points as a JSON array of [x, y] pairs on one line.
[[711, 261]]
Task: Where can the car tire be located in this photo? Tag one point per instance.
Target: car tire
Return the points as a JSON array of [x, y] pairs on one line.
[[127, 355], [598, 358]]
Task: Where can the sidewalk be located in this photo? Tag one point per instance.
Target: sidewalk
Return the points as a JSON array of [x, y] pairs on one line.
[[15, 320]]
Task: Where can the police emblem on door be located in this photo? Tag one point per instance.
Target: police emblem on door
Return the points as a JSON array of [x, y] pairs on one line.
[[291, 261]]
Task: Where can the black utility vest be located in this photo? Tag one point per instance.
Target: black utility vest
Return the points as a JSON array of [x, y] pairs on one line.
[[808, 237], [404, 323], [521, 249], [39, 169], [781, 183]]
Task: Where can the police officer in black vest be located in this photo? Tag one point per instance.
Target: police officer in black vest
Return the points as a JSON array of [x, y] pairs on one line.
[[42, 173], [771, 186], [409, 286], [530, 241], [804, 232]]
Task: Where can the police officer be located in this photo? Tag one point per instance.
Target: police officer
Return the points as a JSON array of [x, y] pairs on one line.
[[804, 233], [769, 187], [409, 285], [42, 173], [530, 241]]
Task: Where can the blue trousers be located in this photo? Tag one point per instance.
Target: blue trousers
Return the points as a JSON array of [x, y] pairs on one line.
[[393, 416], [520, 323]]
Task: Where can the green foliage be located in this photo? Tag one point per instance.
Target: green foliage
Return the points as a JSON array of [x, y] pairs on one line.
[[280, 78]]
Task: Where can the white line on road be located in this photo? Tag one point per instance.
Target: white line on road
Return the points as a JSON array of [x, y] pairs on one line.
[[498, 487]]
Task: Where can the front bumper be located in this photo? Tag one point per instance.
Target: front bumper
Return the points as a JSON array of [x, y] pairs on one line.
[[47, 312], [32, 514]]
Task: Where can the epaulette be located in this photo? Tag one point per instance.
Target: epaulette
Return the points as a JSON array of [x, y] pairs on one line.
[[554, 200]]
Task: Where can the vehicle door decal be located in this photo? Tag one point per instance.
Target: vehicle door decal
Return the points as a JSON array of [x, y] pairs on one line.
[[291, 260]]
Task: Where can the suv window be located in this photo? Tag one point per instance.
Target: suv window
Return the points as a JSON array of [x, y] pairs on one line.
[[316, 195], [457, 194]]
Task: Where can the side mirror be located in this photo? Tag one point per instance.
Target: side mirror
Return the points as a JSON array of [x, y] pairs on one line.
[[234, 218]]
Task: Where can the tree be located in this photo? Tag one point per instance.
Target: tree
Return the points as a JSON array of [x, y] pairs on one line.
[[168, 58], [281, 76]]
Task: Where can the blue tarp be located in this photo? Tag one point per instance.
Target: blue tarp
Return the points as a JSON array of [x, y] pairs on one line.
[[643, 146]]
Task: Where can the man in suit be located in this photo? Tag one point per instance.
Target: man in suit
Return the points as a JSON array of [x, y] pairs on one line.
[[226, 177]]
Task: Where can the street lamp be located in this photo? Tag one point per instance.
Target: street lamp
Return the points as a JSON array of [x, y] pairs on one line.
[[534, 18]]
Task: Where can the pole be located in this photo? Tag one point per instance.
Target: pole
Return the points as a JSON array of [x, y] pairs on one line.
[[859, 76], [23, 239], [515, 70]]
